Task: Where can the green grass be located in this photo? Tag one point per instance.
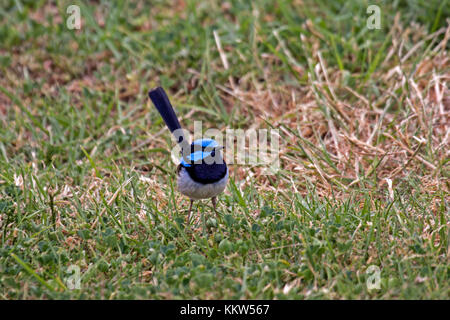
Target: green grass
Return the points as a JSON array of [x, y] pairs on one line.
[[86, 180]]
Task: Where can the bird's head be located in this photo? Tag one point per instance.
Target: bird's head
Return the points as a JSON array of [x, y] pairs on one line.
[[203, 151]]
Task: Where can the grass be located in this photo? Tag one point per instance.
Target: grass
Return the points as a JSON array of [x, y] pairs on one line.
[[85, 178]]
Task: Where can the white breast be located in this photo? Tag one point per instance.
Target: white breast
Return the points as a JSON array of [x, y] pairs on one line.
[[197, 191]]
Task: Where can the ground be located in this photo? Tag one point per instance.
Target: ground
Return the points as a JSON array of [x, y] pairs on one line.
[[358, 209]]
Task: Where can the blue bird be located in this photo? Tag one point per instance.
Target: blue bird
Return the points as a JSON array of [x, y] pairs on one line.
[[202, 172]]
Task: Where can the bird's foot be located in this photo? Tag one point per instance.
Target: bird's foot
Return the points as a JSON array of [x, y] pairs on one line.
[[214, 202]]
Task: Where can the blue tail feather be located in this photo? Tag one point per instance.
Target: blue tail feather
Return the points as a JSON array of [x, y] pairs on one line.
[[165, 109]]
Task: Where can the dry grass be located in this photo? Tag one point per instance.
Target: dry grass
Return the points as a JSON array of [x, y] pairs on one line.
[[349, 139]]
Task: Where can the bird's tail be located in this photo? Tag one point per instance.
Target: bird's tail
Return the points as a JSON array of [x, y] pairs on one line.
[[165, 109]]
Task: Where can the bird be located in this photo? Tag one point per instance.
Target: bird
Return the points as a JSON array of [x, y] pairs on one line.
[[202, 172]]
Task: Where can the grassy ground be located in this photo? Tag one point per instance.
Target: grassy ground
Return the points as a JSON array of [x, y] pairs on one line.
[[85, 176]]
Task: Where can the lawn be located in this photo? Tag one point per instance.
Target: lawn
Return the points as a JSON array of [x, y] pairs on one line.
[[359, 208]]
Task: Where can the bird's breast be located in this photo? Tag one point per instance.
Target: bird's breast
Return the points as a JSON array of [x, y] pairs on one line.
[[197, 190]]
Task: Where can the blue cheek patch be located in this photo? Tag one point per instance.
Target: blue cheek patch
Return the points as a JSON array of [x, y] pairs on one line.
[[194, 157], [210, 143]]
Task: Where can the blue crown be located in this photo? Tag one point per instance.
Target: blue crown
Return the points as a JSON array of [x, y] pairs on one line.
[[198, 156]]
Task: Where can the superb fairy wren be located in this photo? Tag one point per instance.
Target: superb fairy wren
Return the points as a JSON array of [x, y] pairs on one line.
[[202, 172]]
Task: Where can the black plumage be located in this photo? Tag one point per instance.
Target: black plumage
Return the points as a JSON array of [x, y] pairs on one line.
[[207, 173]]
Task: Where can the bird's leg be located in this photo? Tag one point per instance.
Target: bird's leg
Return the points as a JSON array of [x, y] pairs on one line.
[[189, 212], [214, 202]]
